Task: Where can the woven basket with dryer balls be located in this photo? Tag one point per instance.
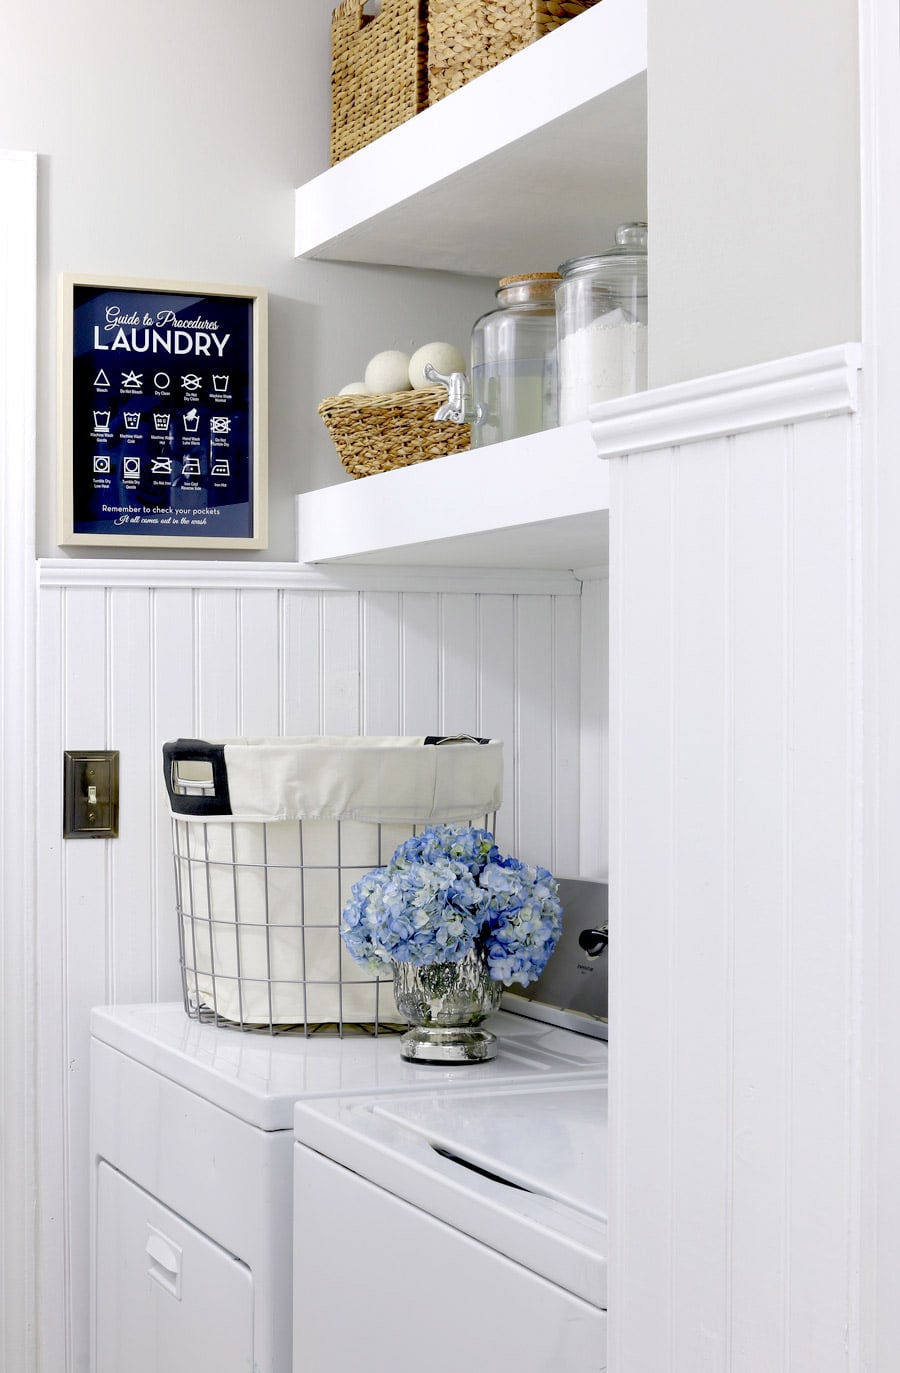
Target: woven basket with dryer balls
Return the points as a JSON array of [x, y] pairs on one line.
[[378, 70], [377, 433], [468, 37], [269, 836]]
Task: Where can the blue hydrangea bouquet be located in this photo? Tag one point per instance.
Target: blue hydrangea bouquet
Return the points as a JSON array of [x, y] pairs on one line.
[[452, 919]]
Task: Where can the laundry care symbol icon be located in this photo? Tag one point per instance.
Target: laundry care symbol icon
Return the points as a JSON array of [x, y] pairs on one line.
[[131, 467], [220, 384], [220, 468], [101, 421], [190, 381], [220, 424], [191, 467], [101, 379], [132, 419], [132, 379], [191, 421], [161, 423], [163, 466]]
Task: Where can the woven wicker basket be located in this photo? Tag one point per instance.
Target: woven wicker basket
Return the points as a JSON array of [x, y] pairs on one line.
[[468, 37], [378, 433], [378, 71]]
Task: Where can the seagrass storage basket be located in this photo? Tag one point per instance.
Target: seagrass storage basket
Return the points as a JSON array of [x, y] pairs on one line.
[[378, 70], [378, 433], [269, 836], [468, 37]]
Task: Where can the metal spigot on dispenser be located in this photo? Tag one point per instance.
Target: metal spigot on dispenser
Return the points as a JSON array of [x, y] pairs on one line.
[[513, 385]]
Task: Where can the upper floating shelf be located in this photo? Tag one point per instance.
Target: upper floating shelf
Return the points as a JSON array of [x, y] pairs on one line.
[[535, 161]]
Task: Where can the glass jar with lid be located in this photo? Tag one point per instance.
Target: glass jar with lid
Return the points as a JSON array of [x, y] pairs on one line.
[[601, 310], [512, 387]]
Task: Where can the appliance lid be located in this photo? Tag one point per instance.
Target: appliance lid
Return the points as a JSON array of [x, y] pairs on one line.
[[522, 1169], [258, 1077]]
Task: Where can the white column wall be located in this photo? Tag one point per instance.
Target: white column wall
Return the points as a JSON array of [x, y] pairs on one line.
[[735, 805], [753, 173]]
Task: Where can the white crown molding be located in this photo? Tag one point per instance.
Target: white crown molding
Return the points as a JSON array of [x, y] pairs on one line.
[[809, 386], [110, 572]]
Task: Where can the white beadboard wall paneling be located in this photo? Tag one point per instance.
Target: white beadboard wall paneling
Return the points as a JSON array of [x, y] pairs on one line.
[[459, 665], [735, 787], [762, 926], [877, 1212], [701, 891], [815, 385], [644, 1000], [823, 802], [341, 660], [54, 1227], [217, 678], [18, 293], [259, 655], [303, 684], [173, 707], [130, 912], [535, 791], [380, 647], [497, 704], [594, 724], [564, 722], [420, 664], [87, 944]]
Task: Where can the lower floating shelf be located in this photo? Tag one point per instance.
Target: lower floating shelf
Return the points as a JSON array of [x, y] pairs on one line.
[[537, 502]]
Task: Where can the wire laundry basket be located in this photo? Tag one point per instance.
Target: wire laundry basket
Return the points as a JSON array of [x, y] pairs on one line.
[[269, 837]]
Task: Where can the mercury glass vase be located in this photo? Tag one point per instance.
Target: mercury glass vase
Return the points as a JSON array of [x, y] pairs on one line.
[[445, 1004]]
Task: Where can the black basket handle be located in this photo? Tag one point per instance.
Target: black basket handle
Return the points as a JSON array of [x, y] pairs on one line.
[[454, 739], [213, 797]]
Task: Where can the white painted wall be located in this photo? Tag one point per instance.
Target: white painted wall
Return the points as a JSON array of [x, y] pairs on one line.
[[753, 180], [171, 136]]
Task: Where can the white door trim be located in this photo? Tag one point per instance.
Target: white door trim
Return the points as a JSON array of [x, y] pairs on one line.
[[18, 286]]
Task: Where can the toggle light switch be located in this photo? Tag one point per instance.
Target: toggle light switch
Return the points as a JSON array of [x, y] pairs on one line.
[[90, 794]]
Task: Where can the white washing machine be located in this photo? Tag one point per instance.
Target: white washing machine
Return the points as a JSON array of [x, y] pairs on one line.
[[192, 1142], [456, 1230]]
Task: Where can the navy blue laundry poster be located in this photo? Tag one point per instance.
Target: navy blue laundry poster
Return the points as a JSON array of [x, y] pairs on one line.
[[163, 391]]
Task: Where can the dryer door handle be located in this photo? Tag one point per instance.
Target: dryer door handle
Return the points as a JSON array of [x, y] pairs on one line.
[[164, 1265]]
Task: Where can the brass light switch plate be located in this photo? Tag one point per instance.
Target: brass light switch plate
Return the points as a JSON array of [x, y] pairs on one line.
[[90, 794]]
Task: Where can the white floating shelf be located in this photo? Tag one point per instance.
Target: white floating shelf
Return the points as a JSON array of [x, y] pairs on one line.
[[533, 162], [539, 502]]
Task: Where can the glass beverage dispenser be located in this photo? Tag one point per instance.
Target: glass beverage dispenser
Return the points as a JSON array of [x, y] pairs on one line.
[[513, 365]]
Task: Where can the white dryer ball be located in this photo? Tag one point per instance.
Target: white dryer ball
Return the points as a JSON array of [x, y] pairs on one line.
[[443, 357], [354, 388], [388, 371]]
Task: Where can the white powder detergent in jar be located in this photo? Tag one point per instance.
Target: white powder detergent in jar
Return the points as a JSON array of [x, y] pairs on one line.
[[601, 315]]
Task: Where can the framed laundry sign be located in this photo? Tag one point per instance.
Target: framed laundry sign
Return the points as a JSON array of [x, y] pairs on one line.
[[162, 414]]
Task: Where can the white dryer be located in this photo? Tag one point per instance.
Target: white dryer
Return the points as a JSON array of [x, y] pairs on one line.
[[192, 1144], [456, 1230]]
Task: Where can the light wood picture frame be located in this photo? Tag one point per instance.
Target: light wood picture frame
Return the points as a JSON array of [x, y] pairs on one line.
[[163, 396]]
